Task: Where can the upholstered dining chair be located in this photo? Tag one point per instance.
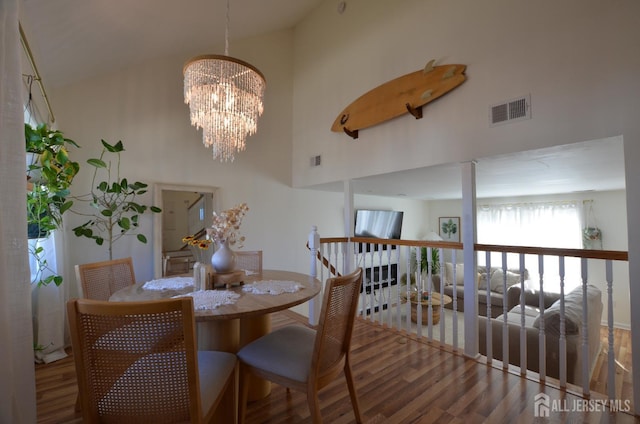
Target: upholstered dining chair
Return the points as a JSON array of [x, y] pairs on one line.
[[249, 260], [305, 359], [99, 280], [138, 362]]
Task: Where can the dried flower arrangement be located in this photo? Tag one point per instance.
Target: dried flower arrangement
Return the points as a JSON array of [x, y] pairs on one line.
[[226, 225]]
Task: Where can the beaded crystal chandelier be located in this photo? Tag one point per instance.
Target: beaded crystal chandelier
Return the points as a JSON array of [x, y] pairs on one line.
[[224, 95]]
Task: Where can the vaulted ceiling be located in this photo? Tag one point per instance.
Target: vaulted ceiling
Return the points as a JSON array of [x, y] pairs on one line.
[[77, 39]]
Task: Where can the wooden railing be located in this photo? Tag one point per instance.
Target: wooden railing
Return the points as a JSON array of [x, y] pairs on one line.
[[388, 266]]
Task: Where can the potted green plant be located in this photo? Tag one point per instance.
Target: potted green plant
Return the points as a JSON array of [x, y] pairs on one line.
[[50, 173], [424, 264], [114, 200], [423, 298]]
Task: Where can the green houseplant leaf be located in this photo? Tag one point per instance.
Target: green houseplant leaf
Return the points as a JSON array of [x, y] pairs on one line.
[[53, 173], [114, 199]]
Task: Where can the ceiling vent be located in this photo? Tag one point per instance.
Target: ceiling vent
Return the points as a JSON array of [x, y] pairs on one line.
[[315, 160], [510, 111]]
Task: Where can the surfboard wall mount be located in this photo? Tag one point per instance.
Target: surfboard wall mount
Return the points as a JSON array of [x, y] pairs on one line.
[[416, 112], [405, 94]]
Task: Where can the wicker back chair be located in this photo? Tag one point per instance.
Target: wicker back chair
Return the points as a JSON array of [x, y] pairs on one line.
[[304, 359], [249, 260], [99, 280], [177, 265], [138, 362]]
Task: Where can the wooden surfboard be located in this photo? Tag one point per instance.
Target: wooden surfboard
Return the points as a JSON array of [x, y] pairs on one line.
[[405, 94]]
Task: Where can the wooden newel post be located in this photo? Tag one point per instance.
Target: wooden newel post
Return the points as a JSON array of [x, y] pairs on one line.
[[316, 302]]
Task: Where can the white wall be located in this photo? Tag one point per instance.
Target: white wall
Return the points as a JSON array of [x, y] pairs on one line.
[[573, 57]]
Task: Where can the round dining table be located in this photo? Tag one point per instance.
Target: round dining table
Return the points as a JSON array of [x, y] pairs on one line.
[[229, 327]]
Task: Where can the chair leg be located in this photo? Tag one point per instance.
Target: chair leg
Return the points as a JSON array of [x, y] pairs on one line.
[[243, 390], [314, 404], [352, 391], [227, 409]]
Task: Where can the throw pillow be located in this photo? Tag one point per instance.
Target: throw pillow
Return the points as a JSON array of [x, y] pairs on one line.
[[448, 274], [482, 280], [497, 279]]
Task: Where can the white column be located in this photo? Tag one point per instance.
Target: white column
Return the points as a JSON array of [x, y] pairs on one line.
[[349, 222], [315, 304], [632, 172], [469, 237]]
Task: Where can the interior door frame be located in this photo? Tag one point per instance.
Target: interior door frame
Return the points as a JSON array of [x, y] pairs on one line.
[[157, 218]]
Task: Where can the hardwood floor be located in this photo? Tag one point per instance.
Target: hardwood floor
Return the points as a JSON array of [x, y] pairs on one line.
[[399, 380]]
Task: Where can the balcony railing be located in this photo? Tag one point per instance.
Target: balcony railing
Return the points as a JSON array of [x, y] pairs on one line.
[[541, 316]]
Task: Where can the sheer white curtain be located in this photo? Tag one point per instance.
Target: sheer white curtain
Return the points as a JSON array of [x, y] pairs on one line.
[[48, 302], [540, 224], [17, 384]]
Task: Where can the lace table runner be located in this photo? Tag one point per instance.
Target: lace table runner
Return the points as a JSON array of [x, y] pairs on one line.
[[272, 287], [211, 299], [173, 283]]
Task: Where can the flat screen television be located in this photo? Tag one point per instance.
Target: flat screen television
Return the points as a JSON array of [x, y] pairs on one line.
[[378, 224]]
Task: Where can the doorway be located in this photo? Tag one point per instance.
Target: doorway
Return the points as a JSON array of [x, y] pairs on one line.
[[186, 210]]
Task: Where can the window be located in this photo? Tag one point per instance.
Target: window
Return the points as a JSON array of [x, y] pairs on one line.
[[544, 224]]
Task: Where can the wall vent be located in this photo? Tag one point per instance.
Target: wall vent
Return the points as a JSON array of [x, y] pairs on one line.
[[316, 160], [510, 111]]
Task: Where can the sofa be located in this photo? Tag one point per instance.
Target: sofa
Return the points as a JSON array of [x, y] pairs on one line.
[[573, 330], [493, 281]]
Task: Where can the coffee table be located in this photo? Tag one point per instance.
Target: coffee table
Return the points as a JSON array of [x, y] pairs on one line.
[[437, 301]]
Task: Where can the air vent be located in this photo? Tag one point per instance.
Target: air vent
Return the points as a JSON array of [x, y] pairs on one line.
[[510, 111], [315, 160]]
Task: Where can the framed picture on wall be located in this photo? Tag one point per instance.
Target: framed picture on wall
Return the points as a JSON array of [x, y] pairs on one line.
[[449, 228]]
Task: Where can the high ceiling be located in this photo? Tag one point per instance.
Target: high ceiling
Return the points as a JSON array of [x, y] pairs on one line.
[[77, 39]]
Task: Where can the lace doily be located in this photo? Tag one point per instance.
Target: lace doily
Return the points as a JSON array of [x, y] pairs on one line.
[[173, 283], [211, 299], [272, 287]]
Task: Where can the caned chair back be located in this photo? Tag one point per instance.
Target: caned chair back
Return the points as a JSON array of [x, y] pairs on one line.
[[333, 334], [249, 260], [99, 280], [304, 359], [176, 265], [135, 360], [138, 362]]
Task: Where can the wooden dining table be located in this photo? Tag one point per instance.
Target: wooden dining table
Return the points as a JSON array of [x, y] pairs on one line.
[[229, 327]]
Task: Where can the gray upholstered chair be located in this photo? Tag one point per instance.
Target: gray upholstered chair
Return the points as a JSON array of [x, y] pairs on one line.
[[304, 359], [138, 362]]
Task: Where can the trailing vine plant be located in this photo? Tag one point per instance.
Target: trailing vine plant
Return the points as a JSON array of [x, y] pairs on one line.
[[50, 175], [117, 211]]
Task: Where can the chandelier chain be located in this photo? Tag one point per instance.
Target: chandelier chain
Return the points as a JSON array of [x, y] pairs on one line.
[[226, 33]]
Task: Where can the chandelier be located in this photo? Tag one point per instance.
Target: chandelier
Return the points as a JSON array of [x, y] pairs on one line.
[[224, 95]]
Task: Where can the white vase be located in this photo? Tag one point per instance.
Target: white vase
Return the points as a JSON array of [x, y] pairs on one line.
[[224, 259]]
